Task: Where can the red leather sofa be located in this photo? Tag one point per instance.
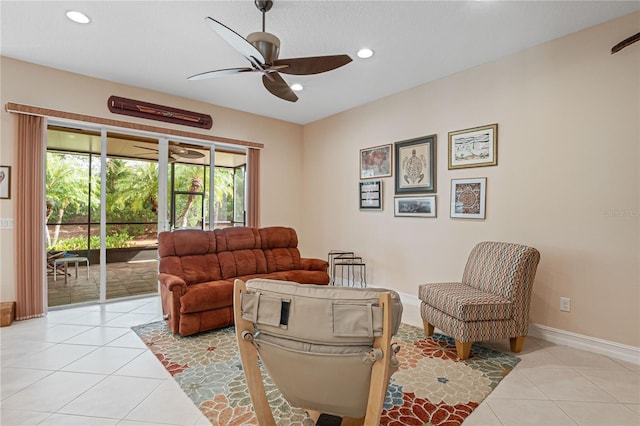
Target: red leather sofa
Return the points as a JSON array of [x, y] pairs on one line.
[[198, 268]]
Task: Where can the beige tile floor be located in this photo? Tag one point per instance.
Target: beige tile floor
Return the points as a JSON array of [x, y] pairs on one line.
[[84, 366]]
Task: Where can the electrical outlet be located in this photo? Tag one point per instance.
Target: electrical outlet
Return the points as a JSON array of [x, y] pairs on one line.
[[565, 304]]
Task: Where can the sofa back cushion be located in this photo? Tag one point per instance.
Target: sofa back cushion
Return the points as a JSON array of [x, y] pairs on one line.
[[239, 252], [280, 247], [237, 238], [189, 254]]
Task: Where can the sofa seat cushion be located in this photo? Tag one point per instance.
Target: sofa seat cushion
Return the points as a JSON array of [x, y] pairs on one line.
[[207, 296], [465, 303]]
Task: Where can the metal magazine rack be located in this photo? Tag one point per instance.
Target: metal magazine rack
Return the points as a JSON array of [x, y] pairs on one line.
[[346, 269]]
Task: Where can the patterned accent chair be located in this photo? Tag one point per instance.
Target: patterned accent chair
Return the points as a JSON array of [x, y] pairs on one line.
[[491, 302]]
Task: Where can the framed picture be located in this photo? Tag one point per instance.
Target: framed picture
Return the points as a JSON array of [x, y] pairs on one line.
[[424, 206], [371, 195], [468, 198], [416, 165], [475, 147], [375, 162], [5, 182]]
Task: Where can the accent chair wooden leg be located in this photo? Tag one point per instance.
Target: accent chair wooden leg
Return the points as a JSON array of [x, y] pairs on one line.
[[516, 343], [428, 328], [463, 349]]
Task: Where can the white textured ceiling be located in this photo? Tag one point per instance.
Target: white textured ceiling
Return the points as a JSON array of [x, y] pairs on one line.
[[157, 44]]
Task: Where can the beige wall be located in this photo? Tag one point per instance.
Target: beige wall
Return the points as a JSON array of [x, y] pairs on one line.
[[567, 179], [34, 85]]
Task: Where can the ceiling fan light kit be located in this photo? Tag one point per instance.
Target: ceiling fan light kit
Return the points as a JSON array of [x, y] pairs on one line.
[[261, 49], [365, 53], [78, 17]]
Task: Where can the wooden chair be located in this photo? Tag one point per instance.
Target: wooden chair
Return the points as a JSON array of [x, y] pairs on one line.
[[334, 366]]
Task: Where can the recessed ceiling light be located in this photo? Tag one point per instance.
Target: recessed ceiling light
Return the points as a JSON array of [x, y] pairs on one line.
[[78, 17], [365, 53], [296, 86]]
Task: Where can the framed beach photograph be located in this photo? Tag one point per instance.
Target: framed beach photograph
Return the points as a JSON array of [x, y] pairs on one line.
[[415, 161], [424, 206], [375, 162], [468, 197], [371, 195], [5, 182], [476, 147]]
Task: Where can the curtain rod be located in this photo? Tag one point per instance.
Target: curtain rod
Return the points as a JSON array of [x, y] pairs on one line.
[[52, 113]]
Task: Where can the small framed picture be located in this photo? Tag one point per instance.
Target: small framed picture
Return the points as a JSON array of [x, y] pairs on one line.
[[416, 165], [468, 198], [371, 195], [375, 162], [424, 206], [476, 147], [5, 182]]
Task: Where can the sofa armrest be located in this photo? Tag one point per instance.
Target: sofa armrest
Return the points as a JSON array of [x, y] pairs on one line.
[[309, 264], [173, 283]]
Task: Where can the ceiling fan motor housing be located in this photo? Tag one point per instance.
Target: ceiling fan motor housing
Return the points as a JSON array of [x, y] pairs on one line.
[[267, 44]]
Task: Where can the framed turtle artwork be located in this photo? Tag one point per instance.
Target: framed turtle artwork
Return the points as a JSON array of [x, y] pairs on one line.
[[416, 165]]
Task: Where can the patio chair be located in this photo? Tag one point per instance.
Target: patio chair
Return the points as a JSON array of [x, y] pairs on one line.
[[54, 268], [327, 349]]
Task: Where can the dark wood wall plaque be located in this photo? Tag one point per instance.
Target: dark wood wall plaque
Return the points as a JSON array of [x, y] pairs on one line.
[[124, 106]]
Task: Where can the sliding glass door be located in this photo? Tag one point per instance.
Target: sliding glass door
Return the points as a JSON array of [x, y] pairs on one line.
[[109, 194]]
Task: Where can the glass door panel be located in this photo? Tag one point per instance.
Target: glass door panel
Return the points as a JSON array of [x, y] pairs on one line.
[[189, 206], [71, 177], [131, 216]]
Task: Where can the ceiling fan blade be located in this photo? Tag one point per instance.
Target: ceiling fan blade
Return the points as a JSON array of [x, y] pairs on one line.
[[219, 73], [144, 147], [624, 43], [279, 87], [191, 154], [312, 64], [236, 41]]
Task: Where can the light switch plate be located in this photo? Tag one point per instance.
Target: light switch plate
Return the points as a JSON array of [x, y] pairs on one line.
[[6, 223]]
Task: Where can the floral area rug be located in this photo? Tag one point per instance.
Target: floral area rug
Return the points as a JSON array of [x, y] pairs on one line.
[[431, 387]]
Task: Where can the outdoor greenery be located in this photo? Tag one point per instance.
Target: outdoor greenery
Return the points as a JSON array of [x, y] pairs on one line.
[[73, 197], [80, 243]]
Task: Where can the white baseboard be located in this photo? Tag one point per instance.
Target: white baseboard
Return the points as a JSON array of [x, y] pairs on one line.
[[411, 316], [586, 343]]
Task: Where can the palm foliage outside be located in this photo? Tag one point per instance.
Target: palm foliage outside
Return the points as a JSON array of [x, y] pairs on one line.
[[73, 197]]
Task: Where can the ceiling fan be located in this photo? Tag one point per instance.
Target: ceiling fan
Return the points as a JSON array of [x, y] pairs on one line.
[[261, 50], [176, 152]]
